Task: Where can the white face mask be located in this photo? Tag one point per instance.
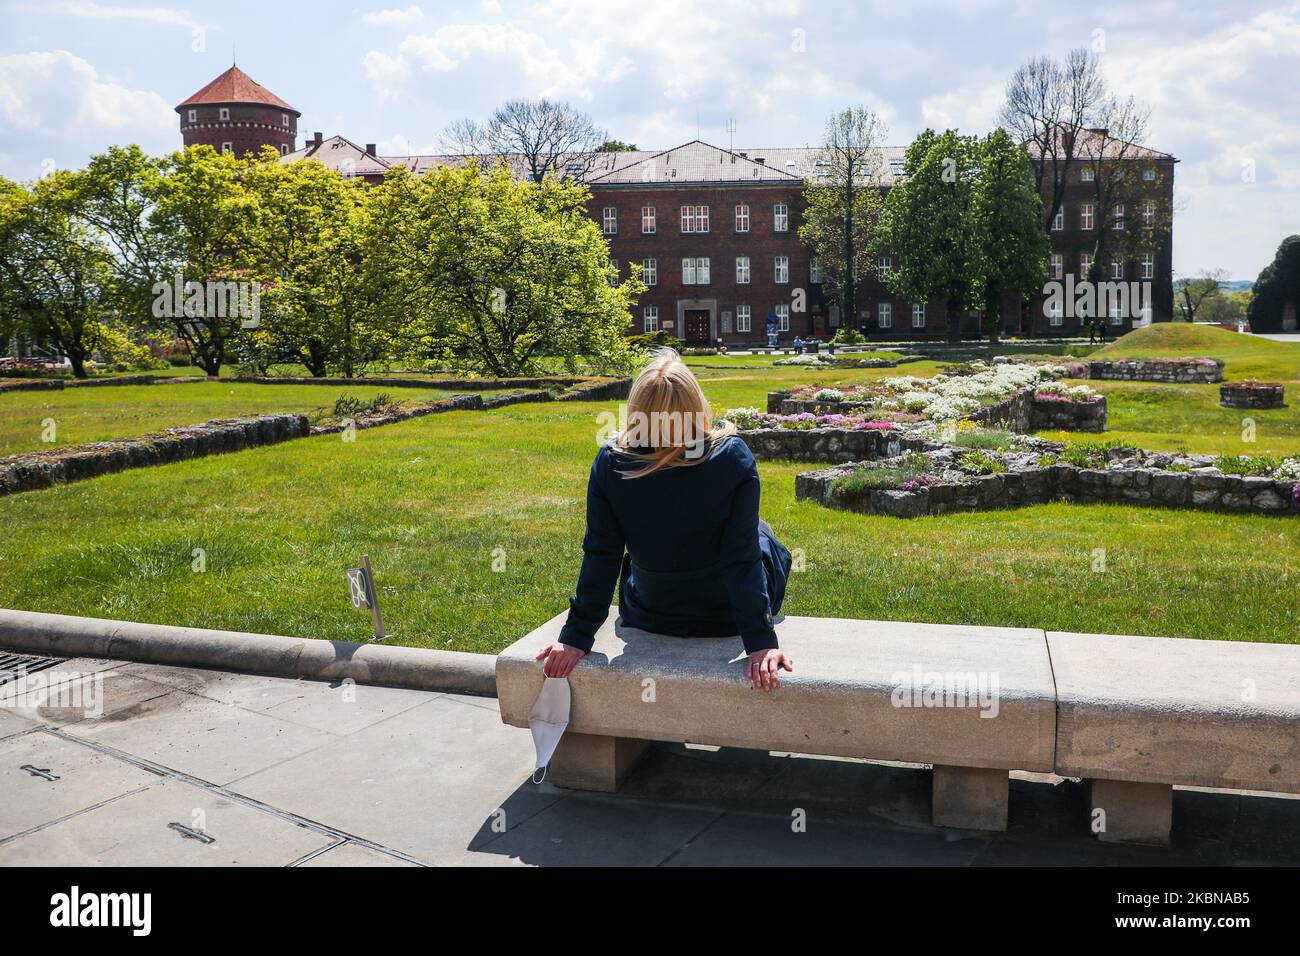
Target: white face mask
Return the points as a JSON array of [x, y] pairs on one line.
[[549, 717]]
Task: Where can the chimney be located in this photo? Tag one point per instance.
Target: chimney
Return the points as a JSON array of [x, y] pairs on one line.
[[370, 149], [318, 139]]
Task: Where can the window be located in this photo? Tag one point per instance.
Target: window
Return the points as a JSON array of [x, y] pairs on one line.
[[609, 220], [1148, 265], [1086, 175], [815, 270], [1058, 266], [742, 270], [781, 269], [742, 218], [225, 113], [650, 320], [695, 271], [1116, 311], [647, 220], [742, 318], [1085, 264], [882, 265], [227, 147], [1149, 175], [782, 318], [650, 271], [780, 217], [918, 315], [1058, 221], [284, 119], [1054, 313], [1116, 268], [194, 116], [1118, 212], [1085, 215], [695, 219], [886, 315], [1149, 214], [284, 150]]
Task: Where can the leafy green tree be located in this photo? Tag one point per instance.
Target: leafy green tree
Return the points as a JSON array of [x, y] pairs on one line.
[[1010, 246], [616, 146], [1277, 286], [485, 271], [928, 223], [307, 247], [184, 220], [55, 272], [842, 202], [1191, 294]]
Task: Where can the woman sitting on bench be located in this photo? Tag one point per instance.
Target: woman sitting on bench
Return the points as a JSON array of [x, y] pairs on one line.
[[681, 498]]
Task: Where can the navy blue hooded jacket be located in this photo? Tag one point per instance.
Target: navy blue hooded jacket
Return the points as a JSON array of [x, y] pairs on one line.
[[697, 561]]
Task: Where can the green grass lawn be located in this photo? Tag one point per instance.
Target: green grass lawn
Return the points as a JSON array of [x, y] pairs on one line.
[[434, 500], [123, 411]]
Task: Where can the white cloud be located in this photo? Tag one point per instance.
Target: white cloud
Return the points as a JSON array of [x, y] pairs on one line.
[[86, 10], [393, 18], [63, 111], [389, 76], [971, 109]]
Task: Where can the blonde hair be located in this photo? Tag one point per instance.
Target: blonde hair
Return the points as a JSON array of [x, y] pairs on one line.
[[670, 424]]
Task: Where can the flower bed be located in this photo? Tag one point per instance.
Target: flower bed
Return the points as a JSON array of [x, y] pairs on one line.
[[1252, 395], [1178, 370], [936, 481]]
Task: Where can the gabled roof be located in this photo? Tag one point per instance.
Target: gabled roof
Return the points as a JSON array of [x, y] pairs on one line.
[[342, 155], [235, 86], [694, 162], [1092, 144]]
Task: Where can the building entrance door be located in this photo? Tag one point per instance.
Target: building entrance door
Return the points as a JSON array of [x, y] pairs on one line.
[[697, 326]]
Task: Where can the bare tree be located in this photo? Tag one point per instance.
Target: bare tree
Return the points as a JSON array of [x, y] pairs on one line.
[[537, 136], [1047, 102], [843, 197]]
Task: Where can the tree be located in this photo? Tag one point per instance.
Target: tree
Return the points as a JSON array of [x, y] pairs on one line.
[[308, 249], [55, 272], [1011, 247], [1047, 103], [842, 202], [1277, 287], [184, 219], [480, 270], [616, 146], [1193, 293], [542, 136], [928, 223]]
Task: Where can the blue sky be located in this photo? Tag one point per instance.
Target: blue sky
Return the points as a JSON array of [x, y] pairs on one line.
[[78, 75]]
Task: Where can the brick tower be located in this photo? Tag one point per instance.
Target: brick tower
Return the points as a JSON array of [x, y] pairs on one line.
[[235, 114]]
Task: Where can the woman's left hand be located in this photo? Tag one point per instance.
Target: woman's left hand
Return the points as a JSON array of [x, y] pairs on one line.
[[762, 667]]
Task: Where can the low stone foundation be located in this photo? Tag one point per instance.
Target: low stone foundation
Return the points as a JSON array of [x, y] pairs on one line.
[[1197, 371], [1252, 395], [1023, 412], [45, 469], [1061, 482], [829, 444]]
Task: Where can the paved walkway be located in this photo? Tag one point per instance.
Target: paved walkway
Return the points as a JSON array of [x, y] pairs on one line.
[[194, 767]]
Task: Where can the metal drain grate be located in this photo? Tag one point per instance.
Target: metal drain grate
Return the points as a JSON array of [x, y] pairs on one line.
[[14, 666]]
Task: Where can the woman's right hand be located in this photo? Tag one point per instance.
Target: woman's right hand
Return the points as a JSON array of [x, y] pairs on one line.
[[558, 660], [763, 667]]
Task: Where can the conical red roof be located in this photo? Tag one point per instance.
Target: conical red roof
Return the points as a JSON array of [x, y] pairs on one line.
[[236, 86]]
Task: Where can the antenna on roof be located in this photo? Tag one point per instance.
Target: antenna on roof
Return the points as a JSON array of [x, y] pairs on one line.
[[731, 135]]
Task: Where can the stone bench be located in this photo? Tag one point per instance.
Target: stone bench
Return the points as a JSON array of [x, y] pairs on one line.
[[842, 700], [1139, 715]]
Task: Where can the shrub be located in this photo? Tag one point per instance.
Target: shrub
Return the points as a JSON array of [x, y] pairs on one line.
[[1247, 465], [352, 406], [847, 336], [980, 463], [653, 339], [860, 482], [829, 395], [1089, 454], [992, 439]]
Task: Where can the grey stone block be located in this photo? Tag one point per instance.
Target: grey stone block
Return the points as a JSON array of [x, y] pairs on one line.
[[969, 798], [589, 762], [1124, 811]]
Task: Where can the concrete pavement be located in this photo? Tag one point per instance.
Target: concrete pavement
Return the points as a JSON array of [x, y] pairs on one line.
[[207, 768]]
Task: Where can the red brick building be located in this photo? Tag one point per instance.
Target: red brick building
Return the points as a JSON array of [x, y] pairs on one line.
[[234, 114], [716, 232]]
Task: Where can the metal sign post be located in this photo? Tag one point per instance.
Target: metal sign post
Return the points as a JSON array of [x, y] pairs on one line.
[[365, 595]]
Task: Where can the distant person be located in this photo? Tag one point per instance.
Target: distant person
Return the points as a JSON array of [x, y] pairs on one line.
[[798, 345], [1101, 331], [722, 346], [1092, 331], [672, 521]]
